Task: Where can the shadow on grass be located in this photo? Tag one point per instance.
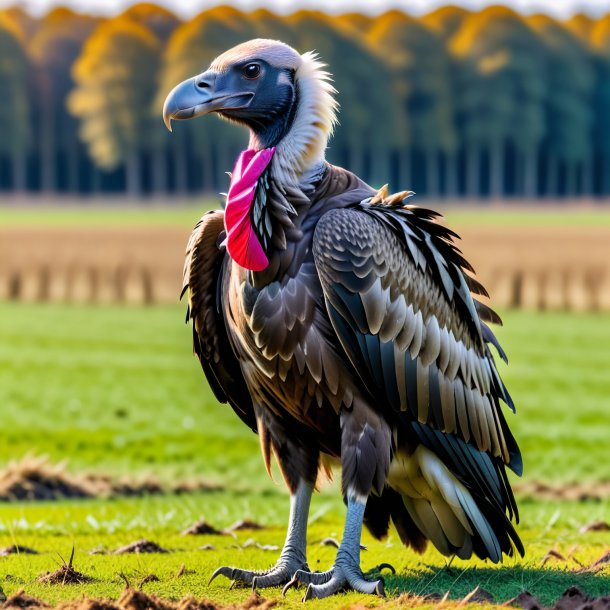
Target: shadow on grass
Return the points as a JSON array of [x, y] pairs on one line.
[[504, 583]]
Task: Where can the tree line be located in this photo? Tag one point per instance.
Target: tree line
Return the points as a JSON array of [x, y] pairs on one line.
[[455, 103]]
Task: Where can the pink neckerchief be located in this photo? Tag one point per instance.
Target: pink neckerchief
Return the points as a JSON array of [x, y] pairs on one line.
[[242, 243]]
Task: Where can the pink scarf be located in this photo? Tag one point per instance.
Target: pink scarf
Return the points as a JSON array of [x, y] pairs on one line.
[[242, 243]]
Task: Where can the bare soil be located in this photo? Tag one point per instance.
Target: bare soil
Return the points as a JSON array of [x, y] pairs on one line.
[[35, 478], [558, 268], [141, 546], [132, 599]]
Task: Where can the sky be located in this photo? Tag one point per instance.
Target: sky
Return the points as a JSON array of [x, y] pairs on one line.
[[188, 8]]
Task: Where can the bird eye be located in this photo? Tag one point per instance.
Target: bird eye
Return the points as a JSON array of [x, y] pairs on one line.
[[252, 70]]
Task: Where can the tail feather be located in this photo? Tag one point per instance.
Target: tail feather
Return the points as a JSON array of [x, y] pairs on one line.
[[390, 506], [445, 510]]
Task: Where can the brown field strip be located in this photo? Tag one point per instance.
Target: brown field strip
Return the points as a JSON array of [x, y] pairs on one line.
[[558, 268]]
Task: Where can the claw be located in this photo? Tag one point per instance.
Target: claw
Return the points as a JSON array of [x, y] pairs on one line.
[[222, 571], [380, 588], [386, 566], [309, 594], [293, 582]]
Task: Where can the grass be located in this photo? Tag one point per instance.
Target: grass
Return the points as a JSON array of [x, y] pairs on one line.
[[117, 390], [53, 529], [183, 213]]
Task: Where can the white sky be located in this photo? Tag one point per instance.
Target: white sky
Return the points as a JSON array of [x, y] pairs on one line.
[[188, 8]]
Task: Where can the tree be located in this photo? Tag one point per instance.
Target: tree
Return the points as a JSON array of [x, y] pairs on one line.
[[446, 21], [600, 43], [357, 22], [116, 82], [500, 97], [53, 49], [15, 107], [190, 50], [372, 120], [581, 25], [421, 74], [157, 19], [569, 116]]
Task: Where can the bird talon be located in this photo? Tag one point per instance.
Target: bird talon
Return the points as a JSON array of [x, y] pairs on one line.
[[387, 566], [380, 588], [221, 571], [309, 593], [293, 582]]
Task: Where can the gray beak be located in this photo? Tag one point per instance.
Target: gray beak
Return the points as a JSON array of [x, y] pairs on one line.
[[198, 96]]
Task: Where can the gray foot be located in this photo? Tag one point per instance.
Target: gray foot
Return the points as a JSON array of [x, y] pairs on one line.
[[344, 575], [276, 576]]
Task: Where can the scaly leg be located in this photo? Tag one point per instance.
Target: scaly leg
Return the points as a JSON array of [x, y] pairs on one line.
[[346, 572], [294, 554]]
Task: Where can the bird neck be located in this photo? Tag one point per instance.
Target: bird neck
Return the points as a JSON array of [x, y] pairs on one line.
[[300, 152]]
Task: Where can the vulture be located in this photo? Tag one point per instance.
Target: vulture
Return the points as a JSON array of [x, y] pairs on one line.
[[338, 322]]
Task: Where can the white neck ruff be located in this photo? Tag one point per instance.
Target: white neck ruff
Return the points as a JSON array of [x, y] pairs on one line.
[[303, 148]]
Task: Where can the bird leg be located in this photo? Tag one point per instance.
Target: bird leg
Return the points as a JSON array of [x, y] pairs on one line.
[[294, 554], [346, 572]]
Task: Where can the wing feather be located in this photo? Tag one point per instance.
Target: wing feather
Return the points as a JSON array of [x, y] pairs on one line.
[[205, 267], [409, 323]]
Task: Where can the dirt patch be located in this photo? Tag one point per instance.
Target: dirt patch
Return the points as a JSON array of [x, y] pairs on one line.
[[251, 543], [17, 549], [567, 491], [595, 526], [203, 528], [65, 575], [573, 599], [23, 600], [477, 596], [244, 524], [35, 478], [141, 546], [132, 599]]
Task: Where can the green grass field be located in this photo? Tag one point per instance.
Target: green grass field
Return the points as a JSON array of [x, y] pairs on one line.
[[121, 212], [116, 390]]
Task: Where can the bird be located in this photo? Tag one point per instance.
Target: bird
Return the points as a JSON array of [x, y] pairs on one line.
[[340, 322]]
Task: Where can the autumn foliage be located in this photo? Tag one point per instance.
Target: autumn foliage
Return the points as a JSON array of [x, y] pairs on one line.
[[454, 103]]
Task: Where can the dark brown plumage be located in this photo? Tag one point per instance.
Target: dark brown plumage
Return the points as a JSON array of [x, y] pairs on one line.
[[360, 340]]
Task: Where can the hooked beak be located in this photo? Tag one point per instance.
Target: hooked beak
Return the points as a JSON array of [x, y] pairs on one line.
[[198, 96]]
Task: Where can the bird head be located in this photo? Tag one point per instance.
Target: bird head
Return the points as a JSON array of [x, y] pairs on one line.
[[270, 88], [287, 102], [253, 84]]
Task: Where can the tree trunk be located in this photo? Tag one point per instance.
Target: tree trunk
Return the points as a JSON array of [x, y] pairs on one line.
[[159, 176], [132, 175], [48, 151], [571, 178], [225, 164], [606, 173], [72, 166], [496, 161], [19, 162], [451, 178], [380, 167], [432, 173], [587, 169], [96, 179], [552, 177], [473, 172], [180, 160], [530, 175], [519, 174], [405, 170], [356, 160], [207, 183]]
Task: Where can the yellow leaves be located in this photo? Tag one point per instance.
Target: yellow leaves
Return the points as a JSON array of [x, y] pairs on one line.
[[494, 62], [600, 35]]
